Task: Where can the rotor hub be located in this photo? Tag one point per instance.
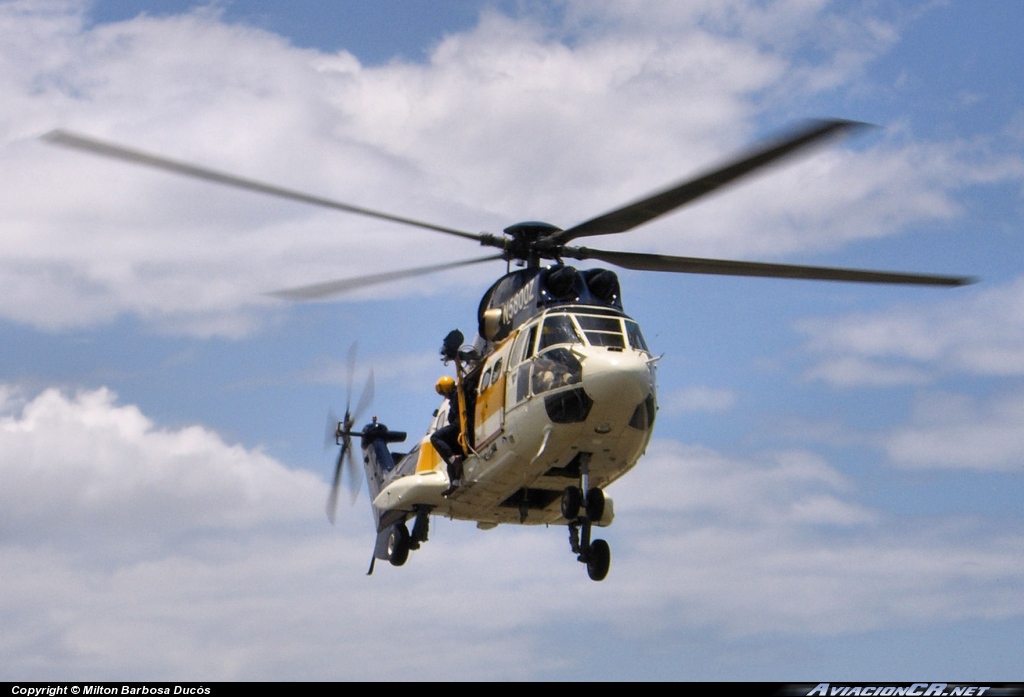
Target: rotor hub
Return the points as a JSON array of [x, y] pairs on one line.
[[527, 241]]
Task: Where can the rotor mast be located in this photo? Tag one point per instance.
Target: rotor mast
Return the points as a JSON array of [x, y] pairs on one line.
[[525, 243]]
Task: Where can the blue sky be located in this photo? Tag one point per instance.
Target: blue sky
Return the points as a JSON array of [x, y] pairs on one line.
[[834, 486]]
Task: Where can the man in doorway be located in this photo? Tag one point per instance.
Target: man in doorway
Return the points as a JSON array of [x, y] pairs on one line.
[[446, 439]]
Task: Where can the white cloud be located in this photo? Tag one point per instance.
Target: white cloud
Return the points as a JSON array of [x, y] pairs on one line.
[[850, 372], [848, 38], [776, 490], [85, 463], [977, 333], [779, 544], [956, 432], [698, 398], [506, 121], [119, 536]]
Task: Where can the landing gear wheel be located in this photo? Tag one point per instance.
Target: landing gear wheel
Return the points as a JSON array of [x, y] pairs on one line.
[[398, 544], [599, 559], [572, 499], [595, 504]]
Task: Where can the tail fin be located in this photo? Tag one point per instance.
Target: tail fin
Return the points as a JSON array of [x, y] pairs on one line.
[[378, 463], [378, 460]]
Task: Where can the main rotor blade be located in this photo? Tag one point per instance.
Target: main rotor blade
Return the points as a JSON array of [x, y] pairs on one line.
[[721, 267], [118, 152], [319, 291], [651, 207]]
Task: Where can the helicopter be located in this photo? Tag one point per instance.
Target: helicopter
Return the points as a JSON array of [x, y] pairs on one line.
[[556, 398]]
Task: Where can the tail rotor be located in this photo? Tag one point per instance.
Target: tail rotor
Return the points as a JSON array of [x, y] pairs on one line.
[[340, 432]]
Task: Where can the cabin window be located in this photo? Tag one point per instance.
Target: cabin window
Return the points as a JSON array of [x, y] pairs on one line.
[[521, 356], [441, 418], [523, 382], [490, 377]]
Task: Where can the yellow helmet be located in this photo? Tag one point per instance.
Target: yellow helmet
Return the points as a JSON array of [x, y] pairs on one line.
[[444, 385]]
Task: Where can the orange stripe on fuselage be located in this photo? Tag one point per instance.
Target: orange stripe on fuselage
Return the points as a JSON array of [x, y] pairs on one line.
[[488, 404], [429, 458]]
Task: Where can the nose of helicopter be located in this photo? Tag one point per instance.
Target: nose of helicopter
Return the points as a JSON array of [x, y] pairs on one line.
[[617, 377]]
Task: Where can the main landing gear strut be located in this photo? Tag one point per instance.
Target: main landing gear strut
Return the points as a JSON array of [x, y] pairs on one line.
[[583, 506]]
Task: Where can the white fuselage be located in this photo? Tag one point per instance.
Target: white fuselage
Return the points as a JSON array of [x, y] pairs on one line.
[[572, 388]]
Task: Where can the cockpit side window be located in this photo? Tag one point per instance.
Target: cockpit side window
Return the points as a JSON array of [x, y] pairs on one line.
[[636, 339], [531, 340], [555, 368]]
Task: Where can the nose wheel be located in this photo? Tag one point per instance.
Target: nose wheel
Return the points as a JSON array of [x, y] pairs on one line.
[[583, 506], [599, 560], [596, 554]]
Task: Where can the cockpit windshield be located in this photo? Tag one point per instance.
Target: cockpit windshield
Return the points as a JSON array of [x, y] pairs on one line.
[[558, 329], [608, 330], [602, 331]]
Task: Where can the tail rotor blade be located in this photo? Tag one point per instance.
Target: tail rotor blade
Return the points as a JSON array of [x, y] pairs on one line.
[[343, 430], [350, 379], [331, 430], [355, 473], [365, 399], [332, 499]]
